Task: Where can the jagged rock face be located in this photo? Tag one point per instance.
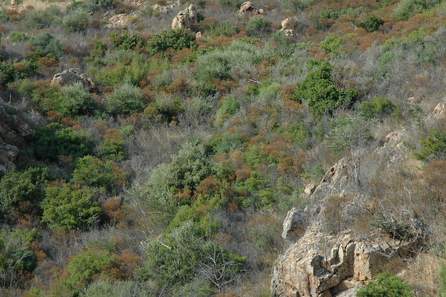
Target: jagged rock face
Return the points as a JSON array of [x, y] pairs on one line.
[[13, 129], [248, 9], [325, 262], [288, 27], [185, 19], [71, 76]]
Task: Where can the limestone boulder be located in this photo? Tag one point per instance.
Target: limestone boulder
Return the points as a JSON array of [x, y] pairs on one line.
[[185, 19], [249, 9], [71, 76]]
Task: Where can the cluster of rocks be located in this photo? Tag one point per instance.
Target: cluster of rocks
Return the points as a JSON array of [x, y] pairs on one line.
[[249, 9]]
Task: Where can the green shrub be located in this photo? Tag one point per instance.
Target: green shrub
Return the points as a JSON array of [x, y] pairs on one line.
[[126, 99], [321, 92], [93, 172], [17, 37], [76, 21], [386, 285], [177, 258], [372, 23], [184, 173], [112, 146], [116, 289], [433, 146], [231, 3], [126, 40], [228, 107], [85, 266], [258, 26], [95, 5], [16, 255], [376, 108], [347, 132], [55, 140], [40, 19], [45, 44], [223, 29], [70, 207], [70, 100], [332, 45], [165, 109], [171, 39], [22, 191], [408, 8], [10, 72]]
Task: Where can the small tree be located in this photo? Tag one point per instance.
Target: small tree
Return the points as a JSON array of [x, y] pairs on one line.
[[320, 90], [258, 26], [171, 39], [126, 99], [386, 285], [22, 191], [69, 207]]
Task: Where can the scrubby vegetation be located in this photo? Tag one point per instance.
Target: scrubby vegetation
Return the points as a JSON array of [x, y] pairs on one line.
[[171, 176]]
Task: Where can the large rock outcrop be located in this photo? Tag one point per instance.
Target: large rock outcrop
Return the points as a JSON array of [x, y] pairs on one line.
[[71, 76], [13, 130], [327, 257], [185, 19]]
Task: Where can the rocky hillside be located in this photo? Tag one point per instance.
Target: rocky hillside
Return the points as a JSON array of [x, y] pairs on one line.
[[222, 148]]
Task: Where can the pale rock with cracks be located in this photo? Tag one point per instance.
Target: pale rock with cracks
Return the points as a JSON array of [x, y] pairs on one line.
[[71, 76], [185, 19], [322, 263], [248, 9], [288, 26]]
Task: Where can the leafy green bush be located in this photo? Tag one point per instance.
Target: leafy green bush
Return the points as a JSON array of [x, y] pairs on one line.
[[321, 92], [180, 255], [76, 21], [95, 5], [69, 207], [408, 8], [55, 140], [16, 254], [85, 266], [372, 23], [386, 285], [112, 146], [332, 44], [377, 107], [45, 44], [171, 39], [16, 37], [433, 146], [39, 19], [228, 107], [164, 109], [22, 191], [126, 99], [258, 26], [116, 289], [223, 29], [126, 40], [183, 174], [93, 172], [10, 72], [70, 100]]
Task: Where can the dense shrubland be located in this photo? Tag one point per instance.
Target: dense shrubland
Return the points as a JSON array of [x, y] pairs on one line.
[[172, 176]]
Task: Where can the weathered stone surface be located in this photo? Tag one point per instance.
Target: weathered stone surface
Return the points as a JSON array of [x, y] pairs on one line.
[[185, 19], [71, 76], [327, 261], [248, 9], [166, 8], [288, 26], [119, 21]]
